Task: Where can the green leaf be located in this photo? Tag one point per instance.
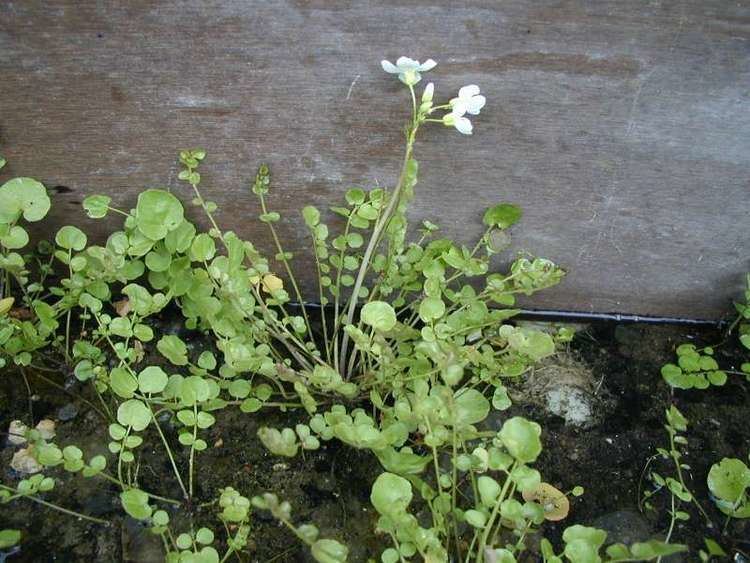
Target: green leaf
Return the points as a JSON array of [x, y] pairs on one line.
[[355, 196], [135, 503], [282, 443], [17, 237], [143, 332], [729, 479], [122, 382], [157, 213], [521, 438], [354, 240], [9, 538], [184, 541], [23, 196], [582, 544], [134, 413], [329, 551], [96, 206], [431, 309], [152, 380], [173, 348], [379, 315], [204, 536], [502, 216], [203, 248], [654, 548], [239, 389], [500, 399], [489, 489], [70, 238], [470, 407], [391, 495], [475, 518], [311, 216]]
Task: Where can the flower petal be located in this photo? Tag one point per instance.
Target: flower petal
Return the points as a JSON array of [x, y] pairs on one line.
[[389, 67], [429, 91], [463, 125], [459, 107], [468, 91], [405, 63], [429, 64], [475, 104]]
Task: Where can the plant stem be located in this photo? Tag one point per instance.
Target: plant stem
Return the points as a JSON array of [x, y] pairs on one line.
[[169, 453], [495, 511], [192, 452], [671, 526], [54, 506], [380, 227]]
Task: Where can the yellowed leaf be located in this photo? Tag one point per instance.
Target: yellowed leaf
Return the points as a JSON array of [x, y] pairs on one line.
[[272, 283], [554, 502], [6, 305]]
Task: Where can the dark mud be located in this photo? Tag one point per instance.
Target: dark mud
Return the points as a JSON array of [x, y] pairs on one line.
[[330, 487]]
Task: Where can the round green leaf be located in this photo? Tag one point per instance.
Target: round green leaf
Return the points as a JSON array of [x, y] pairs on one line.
[[122, 382], [204, 536], [134, 413], [70, 238], [729, 479], [311, 216], [23, 195], [157, 213], [379, 315], [431, 308], [475, 518], [96, 206], [152, 380], [391, 494], [135, 503], [9, 538], [173, 348], [470, 407], [203, 248], [17, 237], [521, 438]]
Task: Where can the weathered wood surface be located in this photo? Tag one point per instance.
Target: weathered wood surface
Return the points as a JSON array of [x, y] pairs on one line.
[[622, 127]]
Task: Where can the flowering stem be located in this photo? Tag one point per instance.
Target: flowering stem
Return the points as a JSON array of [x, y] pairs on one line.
[[380, 227]]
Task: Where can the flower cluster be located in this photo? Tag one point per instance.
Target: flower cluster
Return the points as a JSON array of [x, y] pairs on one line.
[[469, 100]]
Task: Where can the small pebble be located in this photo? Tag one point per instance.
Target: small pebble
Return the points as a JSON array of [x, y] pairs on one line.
[[24, 462], [46, 428], [67, 412], [16, 432]]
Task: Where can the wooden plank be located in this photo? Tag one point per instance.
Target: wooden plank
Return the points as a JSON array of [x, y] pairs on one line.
[[620, 126]]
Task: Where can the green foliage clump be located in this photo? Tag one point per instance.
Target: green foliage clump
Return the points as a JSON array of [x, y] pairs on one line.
[[415, 345]]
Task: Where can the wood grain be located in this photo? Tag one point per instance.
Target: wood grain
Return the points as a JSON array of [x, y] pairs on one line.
[[622, 127]]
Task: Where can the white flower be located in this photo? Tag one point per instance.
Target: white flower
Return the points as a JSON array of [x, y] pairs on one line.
[[468, 100], [429, 90], [408, 69], [456, 119]]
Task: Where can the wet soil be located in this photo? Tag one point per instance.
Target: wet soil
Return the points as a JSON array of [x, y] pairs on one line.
[[607, 455]]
